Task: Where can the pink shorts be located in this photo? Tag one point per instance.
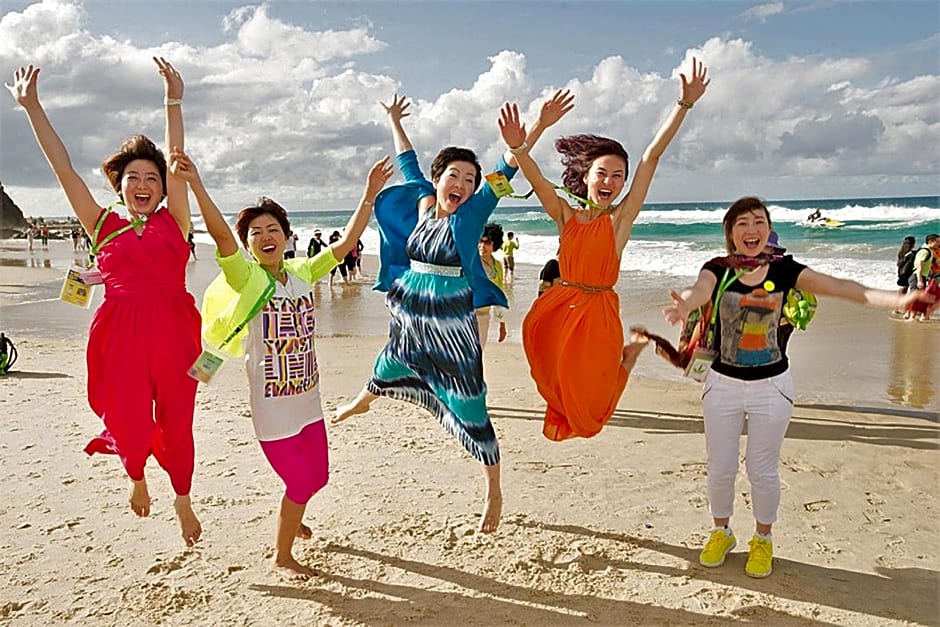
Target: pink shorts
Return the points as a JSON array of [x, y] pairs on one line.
[[301, 461]]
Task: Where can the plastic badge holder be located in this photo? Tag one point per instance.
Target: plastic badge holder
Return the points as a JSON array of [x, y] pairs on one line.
[[700, 364], [74, 289], [206, 365], [92, 276]]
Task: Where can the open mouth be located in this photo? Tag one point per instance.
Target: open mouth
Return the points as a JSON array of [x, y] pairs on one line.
[[268, 249]]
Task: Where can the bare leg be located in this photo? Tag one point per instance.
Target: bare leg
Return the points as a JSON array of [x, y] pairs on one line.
[[304, 532], [360, 405], [631, 351], [189, 524], [493, 505], [140, 498], [288, 526], [762, 528]]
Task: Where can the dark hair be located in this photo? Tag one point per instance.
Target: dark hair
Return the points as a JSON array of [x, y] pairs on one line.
[[265, 206], [748, 204], [495, 233], [931, 237], [136, 147], [450, 154], [578, 152], [335, 236], [906, 246]]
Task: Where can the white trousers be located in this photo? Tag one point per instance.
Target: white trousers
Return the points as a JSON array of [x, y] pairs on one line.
[[768, 405]]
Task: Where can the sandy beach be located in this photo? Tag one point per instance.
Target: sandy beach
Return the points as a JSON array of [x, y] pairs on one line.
[[603, 531]]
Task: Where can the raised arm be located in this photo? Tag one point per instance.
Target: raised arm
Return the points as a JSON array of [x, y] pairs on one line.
[[396, 111], [184, 170], [378, 176], [177, 198], [519, 145], [692, 90], [26, 94]]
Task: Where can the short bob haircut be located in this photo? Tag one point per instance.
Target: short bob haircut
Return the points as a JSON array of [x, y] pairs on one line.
[[136, 147], [494, 232], [265, 206], [451, 154], [578, 152], [748, 204]]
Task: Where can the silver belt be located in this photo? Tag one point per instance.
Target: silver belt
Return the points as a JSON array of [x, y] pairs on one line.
[[430, 268]]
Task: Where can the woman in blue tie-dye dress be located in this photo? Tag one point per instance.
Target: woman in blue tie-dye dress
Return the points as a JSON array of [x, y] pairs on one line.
[[432, 272]]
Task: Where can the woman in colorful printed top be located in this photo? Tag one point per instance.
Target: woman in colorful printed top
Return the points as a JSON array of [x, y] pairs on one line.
[[750, 375], [491, 240], [148, 324], [430, 267], [281, 359]]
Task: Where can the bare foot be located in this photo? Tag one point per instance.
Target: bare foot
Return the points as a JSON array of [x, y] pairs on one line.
[[351, 409], [492, 510], [631, 351], [140, 498], [291, 568], [304, 532], [189, 524]]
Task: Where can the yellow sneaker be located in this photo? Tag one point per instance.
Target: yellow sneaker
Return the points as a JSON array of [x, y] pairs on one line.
[[719, 545], [760, 558]]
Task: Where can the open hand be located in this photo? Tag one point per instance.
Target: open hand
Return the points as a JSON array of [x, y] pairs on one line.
[[24, 86], [678, 311], [398, 109], [379, 174], [512, 130], [693, 89], [556, 107]]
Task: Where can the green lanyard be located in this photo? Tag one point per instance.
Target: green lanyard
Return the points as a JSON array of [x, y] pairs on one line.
[[97, 246], [725, 282], [257, 307], [562, 188]]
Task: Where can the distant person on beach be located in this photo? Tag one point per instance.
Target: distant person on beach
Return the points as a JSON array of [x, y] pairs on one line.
[[509, 255], [316, 243], [926, 267], [749, 375], [359, 248], [572, 335], [291, 246], [30, 237], [550, 274], [815, 216], [145, 335], [76, 238], [336, 236], [430, 266], [491, 239], [906, 256], [44, 237], [280, 355], [190, 239]]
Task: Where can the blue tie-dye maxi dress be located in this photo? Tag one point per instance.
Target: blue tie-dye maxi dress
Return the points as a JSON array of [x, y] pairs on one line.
[[433, 357]]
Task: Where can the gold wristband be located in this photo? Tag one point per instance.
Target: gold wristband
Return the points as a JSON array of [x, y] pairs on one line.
[[172, 101], [685, 104], [521, 148]]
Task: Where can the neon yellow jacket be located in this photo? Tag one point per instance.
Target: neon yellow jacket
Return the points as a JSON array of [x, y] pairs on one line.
[[241, 291]]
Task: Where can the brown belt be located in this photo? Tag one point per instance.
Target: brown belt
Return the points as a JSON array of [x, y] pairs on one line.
[[590, 289]]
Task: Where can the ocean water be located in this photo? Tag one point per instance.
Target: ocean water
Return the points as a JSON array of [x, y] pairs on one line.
[[677, 238]]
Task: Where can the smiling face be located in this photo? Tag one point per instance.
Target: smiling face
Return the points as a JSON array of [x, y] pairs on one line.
[[141, 186], [455, 185], [749, 232], [605, 179], [266, 240]]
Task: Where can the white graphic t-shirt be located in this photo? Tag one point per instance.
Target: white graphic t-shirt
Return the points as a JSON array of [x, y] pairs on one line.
[[281, 361]]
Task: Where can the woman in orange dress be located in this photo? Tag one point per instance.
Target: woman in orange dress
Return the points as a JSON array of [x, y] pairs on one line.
[[572, 335]]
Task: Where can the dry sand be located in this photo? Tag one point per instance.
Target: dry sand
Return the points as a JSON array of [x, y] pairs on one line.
[[601, 531]]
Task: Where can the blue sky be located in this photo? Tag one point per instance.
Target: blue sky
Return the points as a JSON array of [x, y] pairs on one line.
[[809, 99]]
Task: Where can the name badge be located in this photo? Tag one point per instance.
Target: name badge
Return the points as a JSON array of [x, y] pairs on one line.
[[205, 366], [499, 184], [75, 290], [700, 364]]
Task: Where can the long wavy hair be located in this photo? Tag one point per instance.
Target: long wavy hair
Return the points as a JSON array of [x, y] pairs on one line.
[[578, 152]]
